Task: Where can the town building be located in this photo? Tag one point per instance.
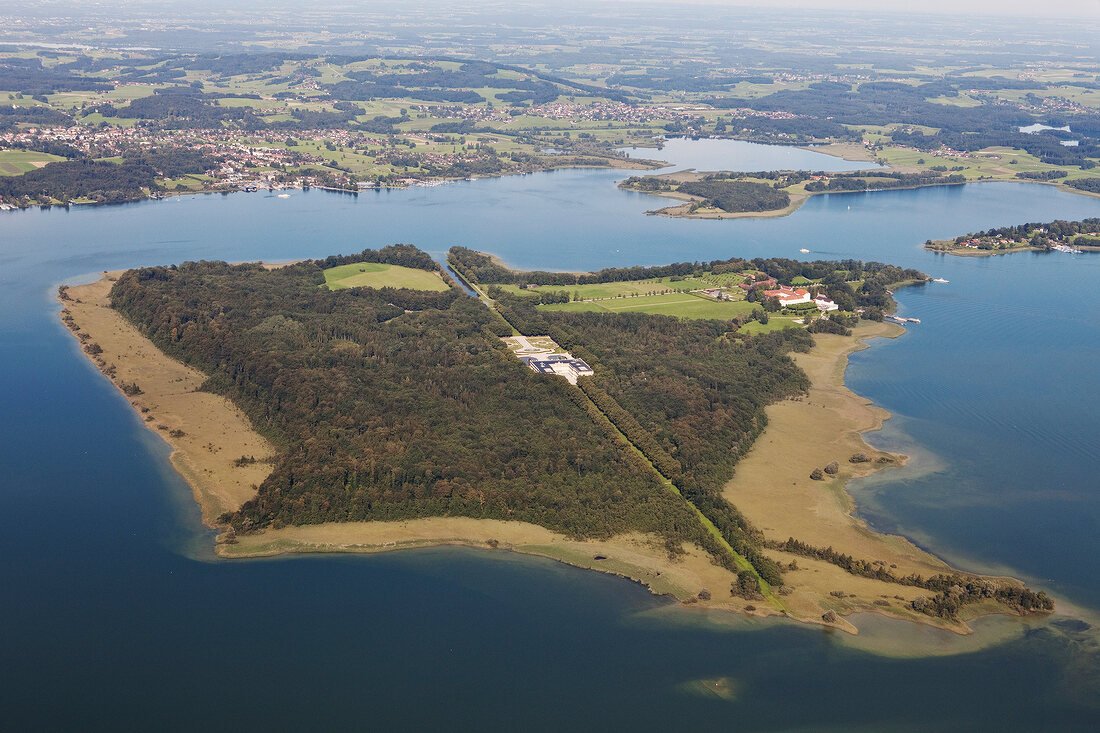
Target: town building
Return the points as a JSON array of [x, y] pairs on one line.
[[788, 296]]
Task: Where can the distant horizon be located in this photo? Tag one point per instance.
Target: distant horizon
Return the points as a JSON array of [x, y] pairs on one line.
[[1052, 9], [1023, 8]]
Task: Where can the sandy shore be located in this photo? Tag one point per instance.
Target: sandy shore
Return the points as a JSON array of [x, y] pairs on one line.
[[773, 488], [209, 435], [683, 211]]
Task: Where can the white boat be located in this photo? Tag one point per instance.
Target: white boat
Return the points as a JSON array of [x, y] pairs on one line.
[[804, 251], [1064, 248], [939, 280], [284, 195]]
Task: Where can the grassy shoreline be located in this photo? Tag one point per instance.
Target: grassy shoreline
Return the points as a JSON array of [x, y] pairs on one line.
[[208, 434]]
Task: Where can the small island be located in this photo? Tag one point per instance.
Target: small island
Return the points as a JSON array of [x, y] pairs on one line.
[[1055, 236], [365, 403], [725, 195]]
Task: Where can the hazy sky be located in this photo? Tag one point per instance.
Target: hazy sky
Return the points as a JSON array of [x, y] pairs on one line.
[[1038, 8]]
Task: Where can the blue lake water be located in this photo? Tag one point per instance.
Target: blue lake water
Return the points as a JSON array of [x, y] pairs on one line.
[[114, 615], [739, 155]]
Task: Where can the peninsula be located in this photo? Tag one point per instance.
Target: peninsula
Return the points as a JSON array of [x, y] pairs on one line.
[[1054, 236], [724, 195], [701, 453]]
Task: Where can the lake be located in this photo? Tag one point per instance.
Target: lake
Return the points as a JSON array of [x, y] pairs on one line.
[[742, 156], [116, 615]]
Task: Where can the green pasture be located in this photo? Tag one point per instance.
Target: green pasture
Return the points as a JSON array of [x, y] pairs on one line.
[[17, 162], [377, 275], [629, 288], [681, 305]]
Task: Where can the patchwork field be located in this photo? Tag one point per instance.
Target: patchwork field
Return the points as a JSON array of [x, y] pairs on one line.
[[375, 275]]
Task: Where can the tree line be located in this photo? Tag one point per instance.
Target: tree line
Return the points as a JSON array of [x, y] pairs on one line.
[[952, 591]]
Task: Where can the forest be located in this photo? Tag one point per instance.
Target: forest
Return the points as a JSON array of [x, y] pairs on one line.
[[380, 401], [72, 179], [104, 181], [689, 394], [737, 196]]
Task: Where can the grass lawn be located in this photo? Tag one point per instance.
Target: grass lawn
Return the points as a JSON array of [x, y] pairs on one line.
[[680, 305], [16, 162], [375, 275], [613, 290]]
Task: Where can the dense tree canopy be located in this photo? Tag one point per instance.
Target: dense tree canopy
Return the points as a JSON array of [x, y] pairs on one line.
[[390, 404]]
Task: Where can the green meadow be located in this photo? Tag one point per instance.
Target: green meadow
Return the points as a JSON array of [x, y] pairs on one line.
[[16, 162], [681, 305], [376, 275]]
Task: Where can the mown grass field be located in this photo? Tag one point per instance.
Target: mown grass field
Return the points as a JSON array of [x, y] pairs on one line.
[[627, 288], [16, 162], [681, 305], [375, 275]]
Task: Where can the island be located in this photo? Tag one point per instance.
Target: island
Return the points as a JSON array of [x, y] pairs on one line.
[[699, 443], [1054, 236], [725, 195]]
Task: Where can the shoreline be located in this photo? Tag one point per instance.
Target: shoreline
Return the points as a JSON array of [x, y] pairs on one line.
[[208, 435], [967, 252], [772, 488], [683, 211], [567, 162]]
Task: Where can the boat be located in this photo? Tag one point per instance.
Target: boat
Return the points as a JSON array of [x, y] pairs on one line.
[[939, 280], [1066, 249], [804, 250], [284, 195]]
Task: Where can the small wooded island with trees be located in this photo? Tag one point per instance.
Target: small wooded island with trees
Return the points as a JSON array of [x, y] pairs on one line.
[[388, 404]]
